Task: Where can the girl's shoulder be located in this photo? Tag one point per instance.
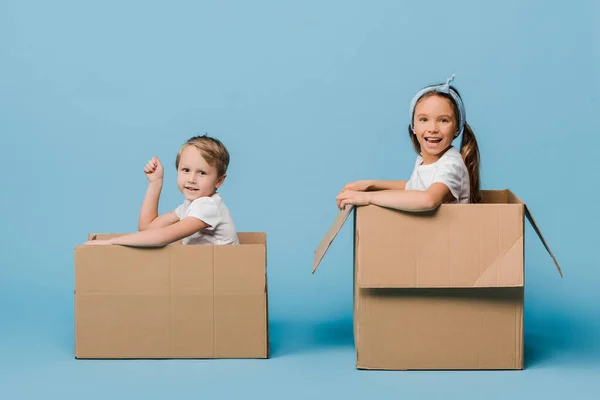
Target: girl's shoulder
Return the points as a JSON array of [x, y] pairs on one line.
[[451, 156]]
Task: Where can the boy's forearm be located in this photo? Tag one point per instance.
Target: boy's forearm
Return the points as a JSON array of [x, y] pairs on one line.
[[406, 200], [149, 210], [147, 238], [387, 185]]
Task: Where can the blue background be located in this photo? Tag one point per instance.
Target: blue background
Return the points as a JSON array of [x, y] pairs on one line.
[[307, 96]]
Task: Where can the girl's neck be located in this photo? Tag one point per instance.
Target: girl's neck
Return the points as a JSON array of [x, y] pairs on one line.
[[432, 158]]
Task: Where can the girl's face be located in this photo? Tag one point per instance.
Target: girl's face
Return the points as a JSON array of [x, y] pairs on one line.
[[195, 177], [435, 127]]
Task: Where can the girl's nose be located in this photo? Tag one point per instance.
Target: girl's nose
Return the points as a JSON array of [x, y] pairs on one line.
[[432, 127]]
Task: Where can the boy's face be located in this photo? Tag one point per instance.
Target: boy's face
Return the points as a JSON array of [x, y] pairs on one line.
[[435, 126], [195, 177]]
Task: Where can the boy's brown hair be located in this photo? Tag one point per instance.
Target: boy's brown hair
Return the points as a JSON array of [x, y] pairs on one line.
[[213, 151]]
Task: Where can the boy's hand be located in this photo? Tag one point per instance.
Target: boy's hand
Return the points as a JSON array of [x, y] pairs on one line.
[[359, 186], [99, 242], [154, 170]]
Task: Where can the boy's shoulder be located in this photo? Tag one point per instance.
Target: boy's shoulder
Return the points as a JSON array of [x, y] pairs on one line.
[[215, 200]]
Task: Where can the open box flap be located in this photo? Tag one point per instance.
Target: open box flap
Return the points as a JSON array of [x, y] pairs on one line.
[[331, 234]]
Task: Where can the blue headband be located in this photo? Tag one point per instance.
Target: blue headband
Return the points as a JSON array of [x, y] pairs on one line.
[[446, 89]]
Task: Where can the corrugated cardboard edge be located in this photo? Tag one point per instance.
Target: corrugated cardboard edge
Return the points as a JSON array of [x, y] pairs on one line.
[[537, 231], [267, 338], [339, 221]]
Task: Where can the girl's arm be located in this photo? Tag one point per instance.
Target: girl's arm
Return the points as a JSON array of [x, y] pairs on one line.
[[157, 237], [405, 200], [373, 185], [387, 185]]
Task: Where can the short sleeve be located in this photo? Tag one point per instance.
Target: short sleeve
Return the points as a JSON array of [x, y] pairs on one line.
[[451, 175], [180, 210], [205, 209]]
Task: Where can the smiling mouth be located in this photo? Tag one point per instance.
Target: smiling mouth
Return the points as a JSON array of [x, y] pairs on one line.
[[191, 189], [433, 140]]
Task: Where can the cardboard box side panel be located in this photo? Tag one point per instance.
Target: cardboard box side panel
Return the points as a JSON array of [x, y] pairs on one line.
[[355, 291], [240, 269], [402, 329], [122, 326], [117, 269], [192, 325], [506, 268], [252, 238], [520, 334], [192, 269], [240, 325], [192, 302], [452, 247]]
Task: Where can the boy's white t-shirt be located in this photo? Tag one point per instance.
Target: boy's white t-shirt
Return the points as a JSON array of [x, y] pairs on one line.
[[450, 170], [213, 211]]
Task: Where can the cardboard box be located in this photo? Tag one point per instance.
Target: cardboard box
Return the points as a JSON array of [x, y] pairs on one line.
[[439, 290], [179, 301]]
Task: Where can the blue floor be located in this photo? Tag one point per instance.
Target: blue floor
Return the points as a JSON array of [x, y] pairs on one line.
[[310, 359]]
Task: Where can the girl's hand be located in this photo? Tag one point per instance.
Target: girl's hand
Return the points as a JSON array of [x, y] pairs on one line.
[[99, 242], [359, 186], [352, 197], [154, 170]]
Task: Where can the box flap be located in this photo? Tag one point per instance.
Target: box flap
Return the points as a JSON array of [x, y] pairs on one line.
[[331, 234], [512, 198], [539, 233]]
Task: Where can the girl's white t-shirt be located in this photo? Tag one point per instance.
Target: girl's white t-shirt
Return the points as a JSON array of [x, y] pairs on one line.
[[450, 170], [213, 211]]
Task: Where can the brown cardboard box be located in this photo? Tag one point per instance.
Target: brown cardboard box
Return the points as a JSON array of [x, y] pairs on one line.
[[439, 290], [193, 301]]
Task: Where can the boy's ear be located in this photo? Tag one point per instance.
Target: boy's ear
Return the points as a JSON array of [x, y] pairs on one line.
[[220, 181]]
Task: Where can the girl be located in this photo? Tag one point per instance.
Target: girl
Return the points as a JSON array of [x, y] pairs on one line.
[[203, 218], [441, 174]]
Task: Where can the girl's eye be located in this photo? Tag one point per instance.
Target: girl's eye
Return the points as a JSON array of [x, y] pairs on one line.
[[444, 120], [422, 119]]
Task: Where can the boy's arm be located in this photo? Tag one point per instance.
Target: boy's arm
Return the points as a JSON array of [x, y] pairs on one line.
[[149, 210], [164, 220], [160, 236], [405, 200]]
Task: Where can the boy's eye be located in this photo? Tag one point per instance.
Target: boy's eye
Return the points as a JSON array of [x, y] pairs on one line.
[[202, 172], [185, 170]]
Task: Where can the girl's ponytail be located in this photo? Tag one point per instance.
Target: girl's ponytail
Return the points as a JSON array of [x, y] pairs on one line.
[[470, 154]]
